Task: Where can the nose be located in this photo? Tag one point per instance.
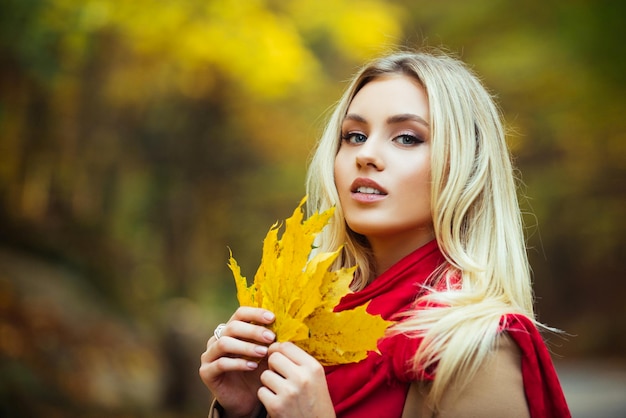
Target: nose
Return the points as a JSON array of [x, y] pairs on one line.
[[370, 155]]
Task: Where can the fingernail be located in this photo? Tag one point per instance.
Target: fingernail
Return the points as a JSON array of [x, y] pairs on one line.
[[260, 349], [269, 336], [268, 315], [251, 365]]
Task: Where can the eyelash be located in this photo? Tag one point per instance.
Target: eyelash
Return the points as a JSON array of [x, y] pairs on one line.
[[347, 137], [414, 140]]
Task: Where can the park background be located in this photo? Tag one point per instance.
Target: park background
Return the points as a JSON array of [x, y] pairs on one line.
[[139, 140]]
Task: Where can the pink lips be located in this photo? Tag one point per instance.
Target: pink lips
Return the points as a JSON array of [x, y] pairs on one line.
[[377, 194]]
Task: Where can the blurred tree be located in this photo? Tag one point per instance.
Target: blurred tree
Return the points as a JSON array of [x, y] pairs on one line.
[[139, 139], [139, 116]]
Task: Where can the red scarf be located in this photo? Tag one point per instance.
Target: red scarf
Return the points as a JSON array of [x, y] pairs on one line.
[[541, 383], [378, 385]]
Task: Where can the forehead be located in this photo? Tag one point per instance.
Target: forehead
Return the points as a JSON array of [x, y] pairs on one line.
[[391, 94]]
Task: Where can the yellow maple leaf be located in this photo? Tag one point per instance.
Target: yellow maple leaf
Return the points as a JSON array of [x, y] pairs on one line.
[[303, 291]]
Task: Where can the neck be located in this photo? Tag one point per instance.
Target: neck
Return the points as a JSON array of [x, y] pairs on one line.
[[389, 250]]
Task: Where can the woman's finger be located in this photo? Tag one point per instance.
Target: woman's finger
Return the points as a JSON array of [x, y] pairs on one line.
[[281, 364], [245, 331], [210, 371], [239, 344], [233, 347], [229, 364], [294, 364], [273, 381], [294, 353], [250, 314]]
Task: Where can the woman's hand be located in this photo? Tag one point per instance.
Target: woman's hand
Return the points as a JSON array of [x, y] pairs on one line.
[[231, 365], [294, 385]]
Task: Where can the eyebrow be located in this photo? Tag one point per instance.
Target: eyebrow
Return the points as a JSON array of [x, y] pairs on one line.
[[406, 116], [391, 119]]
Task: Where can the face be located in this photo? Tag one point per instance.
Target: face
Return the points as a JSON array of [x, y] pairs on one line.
[[382, 169]]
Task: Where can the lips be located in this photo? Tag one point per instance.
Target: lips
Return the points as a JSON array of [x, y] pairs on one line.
[[367, 186]]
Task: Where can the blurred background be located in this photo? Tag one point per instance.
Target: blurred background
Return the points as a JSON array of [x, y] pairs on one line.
[[139, 140]]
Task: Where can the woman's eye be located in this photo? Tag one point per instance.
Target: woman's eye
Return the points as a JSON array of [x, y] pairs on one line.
[[408, 140], [354, 138]]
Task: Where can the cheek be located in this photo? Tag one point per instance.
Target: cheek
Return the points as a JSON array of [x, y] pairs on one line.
[[420, 182]]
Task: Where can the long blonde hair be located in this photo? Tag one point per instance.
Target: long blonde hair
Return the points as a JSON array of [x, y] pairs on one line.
[[476, 217]]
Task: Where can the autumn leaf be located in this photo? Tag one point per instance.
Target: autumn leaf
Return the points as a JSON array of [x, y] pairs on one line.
[[303, 291]]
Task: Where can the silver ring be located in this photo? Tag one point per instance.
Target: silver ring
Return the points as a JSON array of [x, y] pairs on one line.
[[218, 331]]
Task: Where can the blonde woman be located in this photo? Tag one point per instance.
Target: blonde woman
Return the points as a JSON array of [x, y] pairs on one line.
[[415, 160]]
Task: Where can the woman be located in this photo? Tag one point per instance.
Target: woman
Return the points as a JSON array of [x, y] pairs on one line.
[[414, 158]]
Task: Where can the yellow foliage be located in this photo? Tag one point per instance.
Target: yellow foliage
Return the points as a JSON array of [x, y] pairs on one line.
[[262, 48], [360, 31], [302, 292]]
